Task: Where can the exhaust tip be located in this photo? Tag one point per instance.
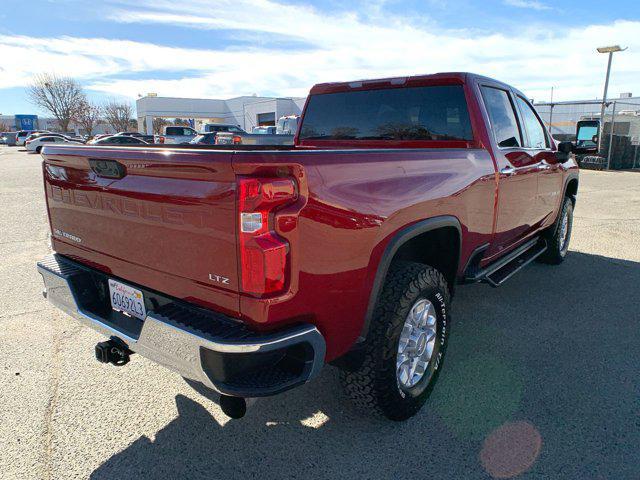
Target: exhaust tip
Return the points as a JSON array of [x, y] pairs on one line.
[[234, 407]]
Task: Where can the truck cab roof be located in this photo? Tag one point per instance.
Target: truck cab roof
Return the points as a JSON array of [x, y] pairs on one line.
[[443, 78]]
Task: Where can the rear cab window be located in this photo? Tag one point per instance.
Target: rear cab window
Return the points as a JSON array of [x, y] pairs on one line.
[[431, 113]]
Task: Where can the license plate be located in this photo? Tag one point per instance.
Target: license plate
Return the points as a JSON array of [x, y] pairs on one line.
[[127, 299]]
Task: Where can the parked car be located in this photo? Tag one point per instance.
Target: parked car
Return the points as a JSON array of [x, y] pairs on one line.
[[33, 136], [129, 134], [222, 127], [211, 130], [97, 137], [264, 130], [344, 248], [119, 140], [36, 144], [21, 136], [287, 125], [176, 135], [141, 136], [204, 139], [228, 138], [9, 138]]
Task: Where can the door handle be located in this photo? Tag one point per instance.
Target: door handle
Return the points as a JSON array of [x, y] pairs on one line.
[[544, 166], [508, 170]]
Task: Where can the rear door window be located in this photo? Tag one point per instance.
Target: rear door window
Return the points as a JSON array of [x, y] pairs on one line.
[[535, 130], [408, 113], [503, 117]]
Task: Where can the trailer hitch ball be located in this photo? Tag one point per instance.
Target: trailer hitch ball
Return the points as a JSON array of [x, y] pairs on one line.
[[113, 351]]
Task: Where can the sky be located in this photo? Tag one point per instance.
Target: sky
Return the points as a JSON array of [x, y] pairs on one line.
[[220, 49]]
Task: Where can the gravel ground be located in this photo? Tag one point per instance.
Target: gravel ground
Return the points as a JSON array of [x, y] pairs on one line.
[[541, 378]]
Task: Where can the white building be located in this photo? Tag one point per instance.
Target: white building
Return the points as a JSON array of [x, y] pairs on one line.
[[248, 112]]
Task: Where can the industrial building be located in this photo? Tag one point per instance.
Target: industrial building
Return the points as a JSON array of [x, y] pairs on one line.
[[561, 117], [247, 111]]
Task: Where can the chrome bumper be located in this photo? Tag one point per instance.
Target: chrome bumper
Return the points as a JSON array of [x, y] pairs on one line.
[[210, 354]]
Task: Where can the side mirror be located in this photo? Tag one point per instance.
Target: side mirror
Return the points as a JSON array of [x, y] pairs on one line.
[[594, 139], [565, 147], [564, 150]]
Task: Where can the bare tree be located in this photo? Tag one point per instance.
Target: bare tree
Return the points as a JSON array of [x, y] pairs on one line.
[[4, 127], [158, 124], [60, 96], [118, 114], [88, 116]]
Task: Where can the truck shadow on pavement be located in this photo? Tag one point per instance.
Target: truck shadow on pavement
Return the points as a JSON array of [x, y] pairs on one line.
[[540, 377]]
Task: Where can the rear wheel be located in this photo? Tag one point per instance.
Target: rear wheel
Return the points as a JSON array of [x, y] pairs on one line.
[[558, 239], [38, 149], [405, 345]]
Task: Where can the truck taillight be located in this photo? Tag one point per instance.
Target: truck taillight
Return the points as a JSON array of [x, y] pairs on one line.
[[263, 253]]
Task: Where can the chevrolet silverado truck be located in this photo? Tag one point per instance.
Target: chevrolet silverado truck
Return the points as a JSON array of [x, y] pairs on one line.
[[247, 269]]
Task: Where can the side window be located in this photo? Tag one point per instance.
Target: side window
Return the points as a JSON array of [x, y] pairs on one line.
[[502, 116], [535, 130]]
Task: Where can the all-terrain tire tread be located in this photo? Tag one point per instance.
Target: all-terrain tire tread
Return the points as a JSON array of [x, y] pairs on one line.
[[404, 281], [552, 255]]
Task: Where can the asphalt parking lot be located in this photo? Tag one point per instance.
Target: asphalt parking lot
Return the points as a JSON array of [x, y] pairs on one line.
[[542, 377]]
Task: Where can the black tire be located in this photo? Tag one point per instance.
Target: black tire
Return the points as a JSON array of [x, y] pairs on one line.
[[373, 385], [557, 249], [38, 149]]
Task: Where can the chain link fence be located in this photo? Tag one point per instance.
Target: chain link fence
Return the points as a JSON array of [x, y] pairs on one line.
[[620, 135]]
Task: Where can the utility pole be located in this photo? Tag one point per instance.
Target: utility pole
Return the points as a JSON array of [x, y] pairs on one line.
[[551, 113]]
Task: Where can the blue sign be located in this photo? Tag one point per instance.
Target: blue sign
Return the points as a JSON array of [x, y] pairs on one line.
[[26, 122]]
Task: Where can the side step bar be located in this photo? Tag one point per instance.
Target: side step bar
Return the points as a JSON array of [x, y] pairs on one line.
[[502, 270]]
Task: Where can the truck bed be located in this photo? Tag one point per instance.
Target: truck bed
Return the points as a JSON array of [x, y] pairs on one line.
[[349, 202]]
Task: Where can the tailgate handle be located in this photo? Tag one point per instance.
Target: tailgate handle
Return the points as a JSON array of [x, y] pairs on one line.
[[107, 168]]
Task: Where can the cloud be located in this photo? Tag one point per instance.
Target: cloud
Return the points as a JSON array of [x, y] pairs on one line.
[[531, 4], [328, 48]]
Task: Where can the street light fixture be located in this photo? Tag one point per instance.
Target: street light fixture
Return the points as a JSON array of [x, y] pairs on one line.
[[610, 50]]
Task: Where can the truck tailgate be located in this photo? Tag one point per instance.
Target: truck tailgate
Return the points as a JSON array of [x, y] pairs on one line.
[[159, 218]]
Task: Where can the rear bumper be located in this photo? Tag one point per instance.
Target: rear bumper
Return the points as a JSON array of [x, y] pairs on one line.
[[199, 344]]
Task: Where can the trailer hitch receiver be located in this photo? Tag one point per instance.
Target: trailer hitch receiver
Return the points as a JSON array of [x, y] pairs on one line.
[[113, 351]]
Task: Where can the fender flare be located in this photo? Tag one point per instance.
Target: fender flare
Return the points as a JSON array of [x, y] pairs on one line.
[[570, 176], [400, 238]]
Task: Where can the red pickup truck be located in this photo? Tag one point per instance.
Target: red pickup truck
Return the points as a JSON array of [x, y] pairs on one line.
[[248, 269]]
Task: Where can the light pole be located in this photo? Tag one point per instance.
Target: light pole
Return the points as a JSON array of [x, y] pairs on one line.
[[610, 50], [551, 113]]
